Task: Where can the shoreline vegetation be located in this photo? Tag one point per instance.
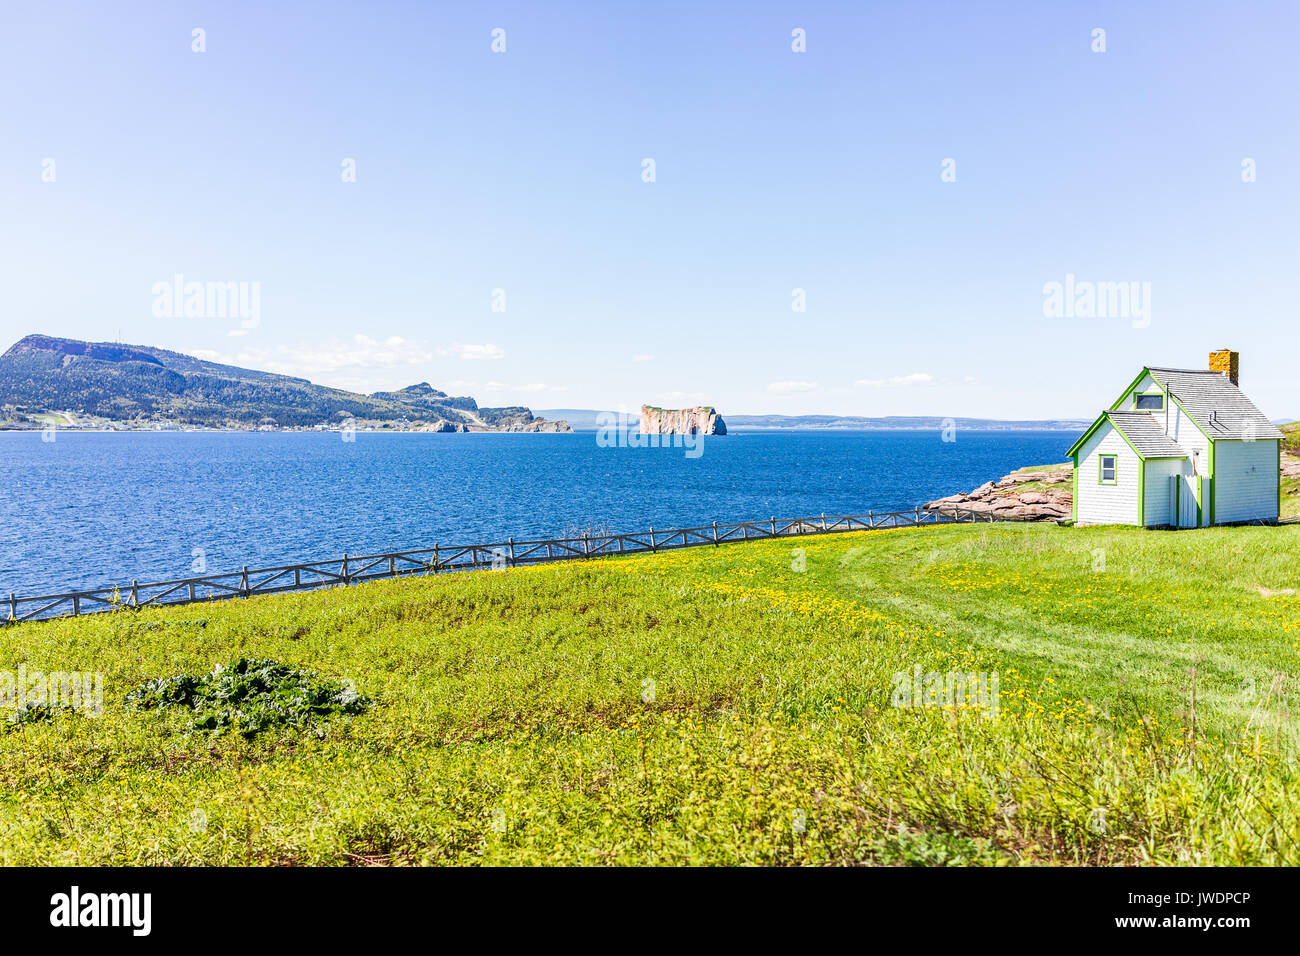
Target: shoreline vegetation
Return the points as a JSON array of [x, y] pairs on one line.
[[729, 705]]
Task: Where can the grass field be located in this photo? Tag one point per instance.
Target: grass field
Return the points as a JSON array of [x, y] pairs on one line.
[[714, 705]]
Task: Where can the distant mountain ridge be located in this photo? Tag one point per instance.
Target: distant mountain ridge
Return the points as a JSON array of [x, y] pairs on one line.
[[588, 419], [42, 373]]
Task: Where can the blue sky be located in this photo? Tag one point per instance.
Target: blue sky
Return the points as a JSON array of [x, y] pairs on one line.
[[774, 171]]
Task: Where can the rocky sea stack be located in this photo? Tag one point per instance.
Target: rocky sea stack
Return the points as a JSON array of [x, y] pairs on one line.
[[701, 420]]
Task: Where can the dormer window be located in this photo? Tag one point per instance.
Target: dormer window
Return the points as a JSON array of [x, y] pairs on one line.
[[1149, 402]]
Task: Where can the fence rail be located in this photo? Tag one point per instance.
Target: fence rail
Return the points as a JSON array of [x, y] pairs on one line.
[[439, 559]]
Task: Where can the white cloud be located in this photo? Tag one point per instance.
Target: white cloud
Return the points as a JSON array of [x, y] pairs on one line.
[[531, 387], [326, 358], [474, 352], [898, 381], [792, 387], [361, 352], [462, 387], [677, 399], [642, 357]]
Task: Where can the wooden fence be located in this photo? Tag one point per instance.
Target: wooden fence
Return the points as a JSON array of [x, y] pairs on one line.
[[443, 558]]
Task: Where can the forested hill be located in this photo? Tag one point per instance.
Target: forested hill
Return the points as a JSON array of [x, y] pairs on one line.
[[41, 374]]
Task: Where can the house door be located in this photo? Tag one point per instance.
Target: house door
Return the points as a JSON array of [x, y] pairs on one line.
[[1184, 498]]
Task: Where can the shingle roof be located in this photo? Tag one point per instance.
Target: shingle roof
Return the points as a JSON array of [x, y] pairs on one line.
[[1146, 434], [1219, 407]]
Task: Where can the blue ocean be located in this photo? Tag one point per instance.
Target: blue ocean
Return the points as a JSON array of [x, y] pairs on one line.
[[94, 510]]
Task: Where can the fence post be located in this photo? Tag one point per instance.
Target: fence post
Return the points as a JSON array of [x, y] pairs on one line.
[[13, 607], [392, 566], [652, 540], [135, 594], [774, 526], [823, 521], [76, 605], [871, 520], [586, 545], [435, 557], [345, 567], [243, 582], [191, 592], [715, 534], [512, 550]]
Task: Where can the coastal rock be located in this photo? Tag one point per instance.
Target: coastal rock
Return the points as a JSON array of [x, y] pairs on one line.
[[1021, 496], [539, 425], [701, 420]]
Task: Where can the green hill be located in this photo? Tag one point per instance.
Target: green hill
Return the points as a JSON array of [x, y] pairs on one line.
[[41, 374], [729, 705]]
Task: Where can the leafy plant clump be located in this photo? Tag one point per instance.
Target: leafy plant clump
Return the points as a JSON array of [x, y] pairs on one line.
[[34, 713], [250, 695]]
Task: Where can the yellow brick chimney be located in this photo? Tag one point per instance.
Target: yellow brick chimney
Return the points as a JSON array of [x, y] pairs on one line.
[[1225, 361]]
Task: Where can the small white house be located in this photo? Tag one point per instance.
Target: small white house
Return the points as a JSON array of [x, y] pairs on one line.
[[1179, 448]]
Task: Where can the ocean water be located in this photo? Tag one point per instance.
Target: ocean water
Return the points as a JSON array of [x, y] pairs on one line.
[[95, 510]]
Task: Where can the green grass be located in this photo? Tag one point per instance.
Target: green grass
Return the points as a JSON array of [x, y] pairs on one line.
[[1147, 711]]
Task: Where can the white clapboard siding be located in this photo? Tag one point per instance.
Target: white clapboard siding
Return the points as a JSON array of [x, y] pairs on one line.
[[1247, 477], [1159, 506], [1108, 504]]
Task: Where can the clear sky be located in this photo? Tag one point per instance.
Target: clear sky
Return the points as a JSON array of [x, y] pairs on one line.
[[774, 170]]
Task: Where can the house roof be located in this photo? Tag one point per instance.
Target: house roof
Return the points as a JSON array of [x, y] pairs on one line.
[[1145, 434], [1141, 429], [1220, 408]]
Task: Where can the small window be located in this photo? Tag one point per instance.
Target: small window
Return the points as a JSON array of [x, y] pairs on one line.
[[1149, 402], [1107, 470]]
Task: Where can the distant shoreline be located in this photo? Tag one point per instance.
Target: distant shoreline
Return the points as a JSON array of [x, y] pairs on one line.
[[737, 430]]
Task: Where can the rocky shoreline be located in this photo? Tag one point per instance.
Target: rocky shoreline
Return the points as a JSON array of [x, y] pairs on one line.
[[536, 425], [1019, 496]]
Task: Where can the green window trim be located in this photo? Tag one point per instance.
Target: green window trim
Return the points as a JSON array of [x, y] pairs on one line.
[[1142, 492], [1074, 490], [1114, 469]]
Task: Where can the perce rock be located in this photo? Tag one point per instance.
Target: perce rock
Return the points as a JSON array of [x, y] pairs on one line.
[[701, 420]]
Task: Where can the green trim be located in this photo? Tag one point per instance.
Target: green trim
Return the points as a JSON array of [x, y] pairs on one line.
[[1199, 493], [1101, 469], [1214, 483], [1131, 385], [1074, 490], [1178, 502], [1105, 417], [1159, 395], [1142, 493], [1120, 432], [1088, 434], [1279, 478]]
